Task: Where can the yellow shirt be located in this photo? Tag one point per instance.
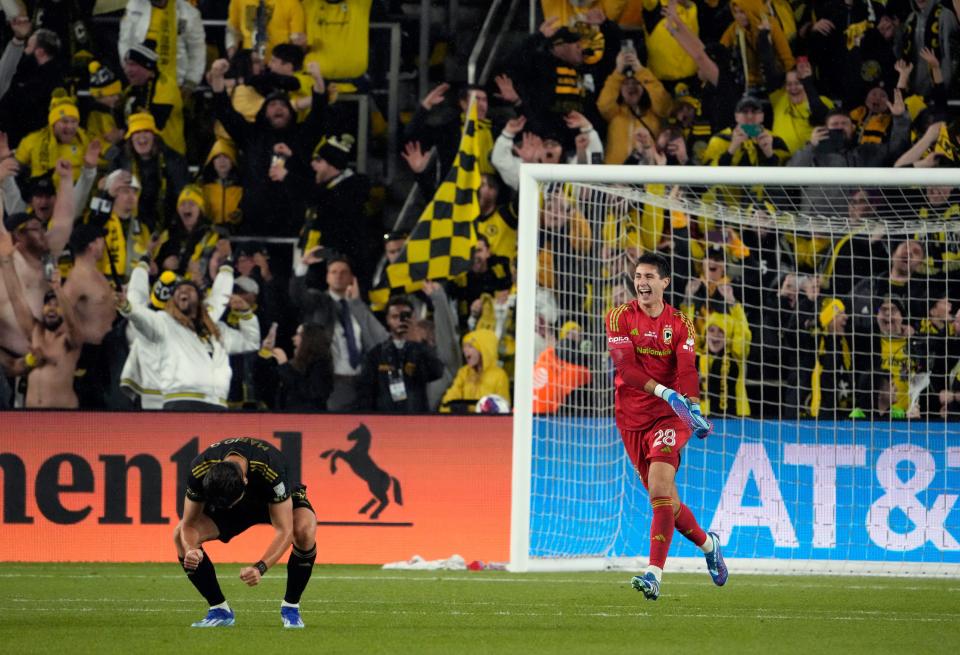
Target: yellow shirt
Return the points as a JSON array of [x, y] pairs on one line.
[[568, 14], [40, 151], [166, 92], [894, 358], [622, 122], [665, 58], [501, 233], [792, 122], [338, 36], [284, 18]]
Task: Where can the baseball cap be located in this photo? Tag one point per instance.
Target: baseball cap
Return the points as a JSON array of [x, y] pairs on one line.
[[749, 102]]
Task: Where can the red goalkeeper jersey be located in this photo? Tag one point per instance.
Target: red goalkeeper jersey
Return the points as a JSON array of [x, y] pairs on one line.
[[664, 350]]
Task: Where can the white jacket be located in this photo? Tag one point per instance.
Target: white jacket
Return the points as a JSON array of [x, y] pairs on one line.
[[170, 362], [191, 39], [141, 370]]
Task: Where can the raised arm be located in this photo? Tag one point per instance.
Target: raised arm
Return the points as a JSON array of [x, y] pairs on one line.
[[246, 338], [707, 69], [64, 209], [924, 143], [138, 288], [88, 175], [68, 309], [232, 121], [221, 289], [148, 322], [21, 311]]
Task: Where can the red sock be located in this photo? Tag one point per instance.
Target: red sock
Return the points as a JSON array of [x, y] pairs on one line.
[[687, 524], [661, 530]]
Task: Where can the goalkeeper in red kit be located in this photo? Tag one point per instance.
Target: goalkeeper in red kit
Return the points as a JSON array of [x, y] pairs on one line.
[[657, 409]]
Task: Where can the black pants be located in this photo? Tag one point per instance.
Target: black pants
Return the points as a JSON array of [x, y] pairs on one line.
[[192, 406]]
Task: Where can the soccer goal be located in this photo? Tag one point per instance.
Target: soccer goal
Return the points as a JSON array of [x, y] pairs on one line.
[[825, 304]]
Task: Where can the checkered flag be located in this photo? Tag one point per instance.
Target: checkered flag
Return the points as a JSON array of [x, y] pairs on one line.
[[442, 240]]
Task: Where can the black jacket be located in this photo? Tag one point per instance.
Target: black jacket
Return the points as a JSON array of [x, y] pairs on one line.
[[267, 206], [282, 387], [25, 106], [419, 365]]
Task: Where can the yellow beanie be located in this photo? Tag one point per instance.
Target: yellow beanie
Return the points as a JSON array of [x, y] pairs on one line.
[[831, 308], [139, 122], [62, 107], [568, 327], [192, 193]]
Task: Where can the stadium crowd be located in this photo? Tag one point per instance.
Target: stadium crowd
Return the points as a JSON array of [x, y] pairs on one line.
[[131, 281]]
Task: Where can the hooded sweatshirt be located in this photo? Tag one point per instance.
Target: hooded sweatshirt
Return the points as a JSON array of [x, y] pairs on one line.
[[472, 385], [222, 197]]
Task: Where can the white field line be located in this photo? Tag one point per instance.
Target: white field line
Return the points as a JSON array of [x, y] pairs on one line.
[[243, 603], [751, 581], [793, 616]]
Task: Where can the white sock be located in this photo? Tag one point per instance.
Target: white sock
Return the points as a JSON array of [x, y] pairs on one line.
[[707, 546], [284, 603], [656, 571], [221, 606]]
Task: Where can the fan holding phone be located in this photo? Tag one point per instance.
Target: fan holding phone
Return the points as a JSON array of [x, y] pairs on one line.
[[748, 143]]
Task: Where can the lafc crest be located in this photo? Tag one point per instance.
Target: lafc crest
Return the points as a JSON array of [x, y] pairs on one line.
[[667, 335]]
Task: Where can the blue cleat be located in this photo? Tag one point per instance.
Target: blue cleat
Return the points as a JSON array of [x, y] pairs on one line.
[[215, 618], [291, 617], [715, 563], [648, 584]]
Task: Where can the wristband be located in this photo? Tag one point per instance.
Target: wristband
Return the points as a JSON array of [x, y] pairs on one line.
[[660, 390], [260, 566]]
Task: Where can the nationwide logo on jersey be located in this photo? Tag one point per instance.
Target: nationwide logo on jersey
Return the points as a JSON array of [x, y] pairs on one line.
[[667, 335]]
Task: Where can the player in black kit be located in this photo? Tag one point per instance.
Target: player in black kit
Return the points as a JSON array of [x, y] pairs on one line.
[[234, 484]]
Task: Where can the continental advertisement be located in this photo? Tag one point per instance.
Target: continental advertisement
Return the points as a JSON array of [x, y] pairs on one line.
[[110, 487]]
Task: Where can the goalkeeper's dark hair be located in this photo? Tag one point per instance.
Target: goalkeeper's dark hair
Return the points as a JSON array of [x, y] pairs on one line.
[[655, 259], [223, 484]]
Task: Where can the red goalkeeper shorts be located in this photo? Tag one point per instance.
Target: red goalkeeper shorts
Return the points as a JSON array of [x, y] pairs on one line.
[[660, 442]]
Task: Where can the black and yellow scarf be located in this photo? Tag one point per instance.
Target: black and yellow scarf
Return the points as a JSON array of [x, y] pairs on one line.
[[816, 389], [931, 33]]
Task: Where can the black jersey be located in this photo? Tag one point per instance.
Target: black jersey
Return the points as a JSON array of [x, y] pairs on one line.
[[266, 470]]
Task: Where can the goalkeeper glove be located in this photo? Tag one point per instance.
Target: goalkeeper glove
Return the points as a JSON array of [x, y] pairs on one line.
[[683, 408], [702, 432]]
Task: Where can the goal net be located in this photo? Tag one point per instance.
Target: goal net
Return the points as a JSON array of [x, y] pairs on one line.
[[825, 303]]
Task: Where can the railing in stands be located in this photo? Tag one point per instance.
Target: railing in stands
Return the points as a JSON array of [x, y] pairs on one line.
[[500, 28]]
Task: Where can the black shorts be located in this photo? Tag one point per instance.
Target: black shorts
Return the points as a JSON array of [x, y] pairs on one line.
[[235, 520]]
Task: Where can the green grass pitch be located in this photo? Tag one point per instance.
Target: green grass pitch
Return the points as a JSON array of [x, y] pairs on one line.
[[147, 608]]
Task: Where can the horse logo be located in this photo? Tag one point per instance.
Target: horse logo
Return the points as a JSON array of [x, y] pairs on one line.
[[378, 480]]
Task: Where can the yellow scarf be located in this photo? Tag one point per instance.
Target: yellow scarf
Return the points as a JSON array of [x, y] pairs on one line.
[[816, 389]]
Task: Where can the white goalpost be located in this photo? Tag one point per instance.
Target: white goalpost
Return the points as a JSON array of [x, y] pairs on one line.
[[827, 307]]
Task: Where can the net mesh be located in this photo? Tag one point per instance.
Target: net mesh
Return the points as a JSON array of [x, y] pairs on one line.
[[829, 358]]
